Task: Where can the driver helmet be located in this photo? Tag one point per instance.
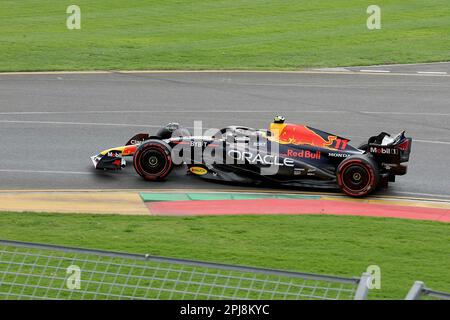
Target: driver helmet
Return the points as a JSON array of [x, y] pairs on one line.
[[279, 119]]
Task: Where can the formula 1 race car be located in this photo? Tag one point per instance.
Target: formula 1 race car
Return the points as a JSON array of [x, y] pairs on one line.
[[288, 155]]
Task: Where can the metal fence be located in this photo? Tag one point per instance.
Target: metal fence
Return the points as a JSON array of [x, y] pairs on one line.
[[419, 292], [38, 271]]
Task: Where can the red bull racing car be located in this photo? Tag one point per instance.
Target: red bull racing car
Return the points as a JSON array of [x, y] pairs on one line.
[[289, 155]]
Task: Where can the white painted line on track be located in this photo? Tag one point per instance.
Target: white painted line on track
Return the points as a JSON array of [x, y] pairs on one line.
[[30, 73], [60, 172], [407, 113], [45, 171], [218, 111], [146, 126], [414, 140], [423, 194], [311, 71], [431, 141], [390, 85], [432, 72], [397, 195], [376, 71], [162, 111], [81, 123], [338, 69]]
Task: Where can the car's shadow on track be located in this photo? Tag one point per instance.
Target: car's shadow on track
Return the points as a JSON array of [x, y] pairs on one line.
[[180, 178]]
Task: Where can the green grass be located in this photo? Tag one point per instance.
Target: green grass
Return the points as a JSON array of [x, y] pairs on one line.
[[208, 34], [405, 250]]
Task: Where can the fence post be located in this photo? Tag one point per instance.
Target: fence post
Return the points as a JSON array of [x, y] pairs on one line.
[[363, 286], [415, 291]]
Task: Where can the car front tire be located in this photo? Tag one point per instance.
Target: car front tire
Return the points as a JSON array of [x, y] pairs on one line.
[[153, 160]]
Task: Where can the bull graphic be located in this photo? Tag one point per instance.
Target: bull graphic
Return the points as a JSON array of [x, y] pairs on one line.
[[294, 134]]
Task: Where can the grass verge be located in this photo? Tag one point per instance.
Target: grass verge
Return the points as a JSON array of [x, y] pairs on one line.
[[405, 250], [211, 34]]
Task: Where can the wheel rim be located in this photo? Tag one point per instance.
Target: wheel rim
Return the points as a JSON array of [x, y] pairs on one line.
[[153, 161], [356, 178]]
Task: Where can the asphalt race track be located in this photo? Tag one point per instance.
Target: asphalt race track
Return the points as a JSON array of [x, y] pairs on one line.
[[50, 124]]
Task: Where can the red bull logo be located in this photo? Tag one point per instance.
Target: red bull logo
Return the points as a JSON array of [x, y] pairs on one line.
[[295, 134], [303, 154]]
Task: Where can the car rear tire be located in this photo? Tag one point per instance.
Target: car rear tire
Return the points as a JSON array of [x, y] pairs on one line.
[[153, 160], [358, 176]]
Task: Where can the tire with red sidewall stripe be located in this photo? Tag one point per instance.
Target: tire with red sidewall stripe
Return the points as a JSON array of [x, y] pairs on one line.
[[358, 175], [153, 160]]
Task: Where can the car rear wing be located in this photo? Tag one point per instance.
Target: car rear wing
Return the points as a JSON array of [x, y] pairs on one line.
[[391, 150]]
